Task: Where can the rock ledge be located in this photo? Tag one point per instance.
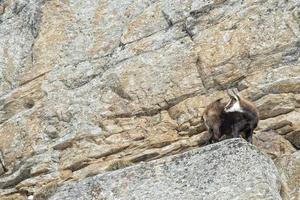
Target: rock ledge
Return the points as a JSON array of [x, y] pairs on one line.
[[232, 169]]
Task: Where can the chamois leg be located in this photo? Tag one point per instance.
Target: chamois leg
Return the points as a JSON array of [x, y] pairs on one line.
[[235, 132], [249, 134], [211, 140], [216, 133]]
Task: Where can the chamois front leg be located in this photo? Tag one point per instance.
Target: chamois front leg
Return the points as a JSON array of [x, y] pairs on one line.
[[235, 131], [216, 133], [211, 140]]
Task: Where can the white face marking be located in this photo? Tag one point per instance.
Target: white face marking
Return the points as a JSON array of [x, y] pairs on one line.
[[236, 107]]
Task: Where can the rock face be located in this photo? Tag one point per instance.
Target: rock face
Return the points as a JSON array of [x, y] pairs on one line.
[[84, 84], [289, 168], [232, 169], [273, 144]]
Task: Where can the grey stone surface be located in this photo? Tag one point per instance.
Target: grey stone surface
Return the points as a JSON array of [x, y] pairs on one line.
[[232, 169], [86, 83], [289, 169]]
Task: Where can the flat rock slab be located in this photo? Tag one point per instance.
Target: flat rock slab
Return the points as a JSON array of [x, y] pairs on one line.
[[232, 169]]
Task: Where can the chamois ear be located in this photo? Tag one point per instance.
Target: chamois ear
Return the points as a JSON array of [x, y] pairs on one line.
[[229, 92]]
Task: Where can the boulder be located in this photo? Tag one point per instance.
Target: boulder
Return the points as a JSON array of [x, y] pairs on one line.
[[273, 144], [86, 83], [289, 169], [294, 138], [231, 169]]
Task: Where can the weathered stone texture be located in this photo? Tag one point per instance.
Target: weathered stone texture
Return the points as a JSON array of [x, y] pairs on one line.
[[228, 170], [87, 83], [289, 167]]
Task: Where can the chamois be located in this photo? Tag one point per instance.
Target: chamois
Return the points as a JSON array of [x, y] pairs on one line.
[[218, 122], [238, 115], [249, 115]]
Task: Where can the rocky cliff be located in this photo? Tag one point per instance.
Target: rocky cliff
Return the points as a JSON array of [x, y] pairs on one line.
[[86, 86]]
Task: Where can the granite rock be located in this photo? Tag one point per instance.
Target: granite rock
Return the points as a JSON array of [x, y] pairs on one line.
[[86, 83], [232, 169]]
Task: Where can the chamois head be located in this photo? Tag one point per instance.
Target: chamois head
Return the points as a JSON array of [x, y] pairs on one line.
[[234, 104]]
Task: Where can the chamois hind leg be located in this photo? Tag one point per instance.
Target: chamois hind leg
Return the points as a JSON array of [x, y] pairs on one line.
[[249, 135], [235, 132]]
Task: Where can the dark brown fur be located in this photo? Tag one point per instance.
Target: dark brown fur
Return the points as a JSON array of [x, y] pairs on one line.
[[219, 123], [249, 116], [212, 117]]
